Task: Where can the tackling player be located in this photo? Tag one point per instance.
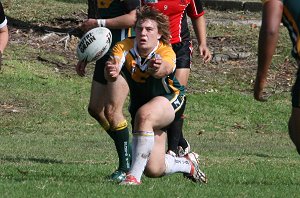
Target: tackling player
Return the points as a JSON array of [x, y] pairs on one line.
[[107, 99]]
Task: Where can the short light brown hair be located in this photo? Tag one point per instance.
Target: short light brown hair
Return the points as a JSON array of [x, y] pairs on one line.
[[145, 12]]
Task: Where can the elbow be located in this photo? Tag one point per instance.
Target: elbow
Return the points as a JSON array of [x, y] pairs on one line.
[[271, 33]]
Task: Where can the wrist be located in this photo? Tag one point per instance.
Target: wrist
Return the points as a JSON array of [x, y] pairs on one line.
[[101, 22]]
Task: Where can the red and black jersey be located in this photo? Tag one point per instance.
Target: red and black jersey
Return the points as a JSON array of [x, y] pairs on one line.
[[177, 10], [3, 20]]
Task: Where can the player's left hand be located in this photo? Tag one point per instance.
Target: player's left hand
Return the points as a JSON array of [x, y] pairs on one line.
[[259, 94], [205, 53]]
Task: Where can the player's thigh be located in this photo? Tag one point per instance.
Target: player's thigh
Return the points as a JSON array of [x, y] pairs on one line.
[[97, 96], [117, 93], [182, 75], [156, 163], [155, 114]]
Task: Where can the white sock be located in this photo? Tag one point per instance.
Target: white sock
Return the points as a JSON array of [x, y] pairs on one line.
[[177, 164], [142, 144]]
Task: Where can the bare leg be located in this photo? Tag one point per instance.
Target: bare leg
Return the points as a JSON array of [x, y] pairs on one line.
[[96, 105], [115, 97]]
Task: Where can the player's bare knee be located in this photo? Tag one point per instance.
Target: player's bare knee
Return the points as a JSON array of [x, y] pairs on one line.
[[99, 116], [143, 117], [111, 112]]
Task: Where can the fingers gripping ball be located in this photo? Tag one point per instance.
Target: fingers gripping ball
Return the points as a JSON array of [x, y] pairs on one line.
[[94, 44]]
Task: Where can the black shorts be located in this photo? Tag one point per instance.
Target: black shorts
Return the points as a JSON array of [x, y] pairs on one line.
[[183, 51], [296, 90], [99, 70], [177, 102]]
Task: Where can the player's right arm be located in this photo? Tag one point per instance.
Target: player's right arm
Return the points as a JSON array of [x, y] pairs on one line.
[[124, 21], [120, 22], [268, 37]]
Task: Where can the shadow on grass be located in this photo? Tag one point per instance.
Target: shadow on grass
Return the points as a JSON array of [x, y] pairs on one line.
[[46, 160], [32, 159], [19, 24]]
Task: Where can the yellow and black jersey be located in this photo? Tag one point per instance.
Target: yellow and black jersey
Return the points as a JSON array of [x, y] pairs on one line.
[[144, 87]]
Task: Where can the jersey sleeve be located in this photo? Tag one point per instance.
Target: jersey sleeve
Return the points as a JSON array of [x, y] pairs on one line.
[[195, 9], [121, 49]]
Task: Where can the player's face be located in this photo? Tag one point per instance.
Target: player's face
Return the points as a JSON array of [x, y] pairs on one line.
[[147, 36]]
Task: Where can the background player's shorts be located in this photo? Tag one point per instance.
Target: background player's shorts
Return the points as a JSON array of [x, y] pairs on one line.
[[296, 89], [183, 51], [99, 70]]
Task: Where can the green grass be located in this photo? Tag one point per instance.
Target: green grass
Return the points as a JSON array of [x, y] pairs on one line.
[[51, 147]]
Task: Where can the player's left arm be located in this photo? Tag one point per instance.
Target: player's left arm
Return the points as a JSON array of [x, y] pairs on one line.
[[268, 37], [196, 12], [126, 20]]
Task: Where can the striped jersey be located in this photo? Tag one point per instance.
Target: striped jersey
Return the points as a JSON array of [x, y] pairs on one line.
[[144, 87]]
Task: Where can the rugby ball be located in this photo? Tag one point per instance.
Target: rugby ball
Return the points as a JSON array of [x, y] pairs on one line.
[[94, 44]]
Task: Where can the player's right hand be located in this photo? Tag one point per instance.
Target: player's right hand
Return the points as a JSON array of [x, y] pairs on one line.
[[88, 25], [112, 70], [80, 68], [259, 94]]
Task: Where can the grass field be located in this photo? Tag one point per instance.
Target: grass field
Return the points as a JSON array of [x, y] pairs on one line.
[[51, 147]]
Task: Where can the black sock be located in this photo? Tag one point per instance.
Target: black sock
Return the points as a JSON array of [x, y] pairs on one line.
[[111, 134], [175, 136], [123, 148]]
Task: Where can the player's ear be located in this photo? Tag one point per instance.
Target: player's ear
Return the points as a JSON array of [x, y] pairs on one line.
[[158, 36]]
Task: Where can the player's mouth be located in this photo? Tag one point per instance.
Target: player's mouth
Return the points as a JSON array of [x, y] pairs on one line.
[[143, 40]]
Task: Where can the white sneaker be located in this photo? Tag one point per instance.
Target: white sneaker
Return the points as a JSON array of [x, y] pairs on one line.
[[130, 180], [196, 174]]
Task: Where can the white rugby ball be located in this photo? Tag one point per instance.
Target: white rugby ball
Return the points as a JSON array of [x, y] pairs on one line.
[[94, 44]]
